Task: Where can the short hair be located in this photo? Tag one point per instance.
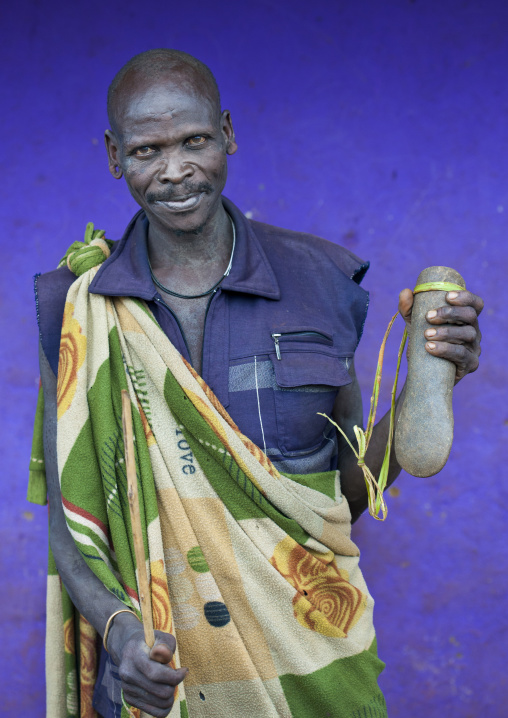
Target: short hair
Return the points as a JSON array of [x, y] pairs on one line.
[[156, 64]]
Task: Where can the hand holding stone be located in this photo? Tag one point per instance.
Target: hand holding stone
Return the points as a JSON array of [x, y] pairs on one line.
[[424, 431]]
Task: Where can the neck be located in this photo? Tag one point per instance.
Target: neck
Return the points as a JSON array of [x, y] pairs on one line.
[[190, 263], [206, 244]]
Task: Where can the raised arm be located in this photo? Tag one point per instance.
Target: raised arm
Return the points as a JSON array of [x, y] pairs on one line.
[[146, 681], [455, 336]]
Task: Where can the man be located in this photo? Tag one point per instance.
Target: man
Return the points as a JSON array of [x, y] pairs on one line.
[[270, 319]]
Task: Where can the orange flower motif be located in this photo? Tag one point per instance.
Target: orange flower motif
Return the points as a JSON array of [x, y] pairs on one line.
[[325, 601], [150, 438], [71, 358], [161, 605], [260, 455], [210, 395], [88, 667], [69, 641]]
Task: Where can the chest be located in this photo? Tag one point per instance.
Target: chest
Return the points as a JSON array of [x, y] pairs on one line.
[[190, 315]]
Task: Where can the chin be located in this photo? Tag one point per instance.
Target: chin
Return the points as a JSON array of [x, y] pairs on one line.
[[188, 223], [179, 223]]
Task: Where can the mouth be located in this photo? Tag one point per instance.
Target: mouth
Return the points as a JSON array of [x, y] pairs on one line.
[[181, 204]]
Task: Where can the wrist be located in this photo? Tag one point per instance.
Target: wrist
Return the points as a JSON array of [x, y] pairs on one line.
[[123, 627]]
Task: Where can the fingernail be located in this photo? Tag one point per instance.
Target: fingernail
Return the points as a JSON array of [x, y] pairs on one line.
[[452, 295], [431, 345], [430, 332], [431, 314]]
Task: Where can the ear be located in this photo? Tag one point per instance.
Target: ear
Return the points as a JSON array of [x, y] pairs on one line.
[[229, 133], [112, 148]]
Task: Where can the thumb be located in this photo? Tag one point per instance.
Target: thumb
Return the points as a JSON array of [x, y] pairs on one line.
[[406, 304], [160, 651]]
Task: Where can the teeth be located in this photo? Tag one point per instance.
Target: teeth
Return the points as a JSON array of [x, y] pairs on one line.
[[182, 203]]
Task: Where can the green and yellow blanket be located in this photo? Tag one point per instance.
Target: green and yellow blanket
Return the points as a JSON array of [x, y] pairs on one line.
[[253, 571]]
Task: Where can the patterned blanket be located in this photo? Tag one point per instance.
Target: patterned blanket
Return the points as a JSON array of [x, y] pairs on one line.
[[253, 571]]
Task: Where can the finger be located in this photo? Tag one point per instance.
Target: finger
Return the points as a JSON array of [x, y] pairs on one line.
[[143, 672], [452, 315], [161, 653], [465, 299], [453, 334], [159, 697], [406, 303], [146, 706], [465, 360], [141, 686], [161, 673]]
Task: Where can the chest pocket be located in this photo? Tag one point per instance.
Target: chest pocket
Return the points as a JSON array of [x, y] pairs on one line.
[[307, 377]]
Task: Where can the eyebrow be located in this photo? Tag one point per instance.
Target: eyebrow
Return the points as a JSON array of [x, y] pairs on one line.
[[147, 139]]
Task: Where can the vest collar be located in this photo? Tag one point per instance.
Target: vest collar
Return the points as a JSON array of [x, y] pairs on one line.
[[126, 272]]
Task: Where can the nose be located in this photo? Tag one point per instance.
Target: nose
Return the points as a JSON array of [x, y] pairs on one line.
[[173, 169]]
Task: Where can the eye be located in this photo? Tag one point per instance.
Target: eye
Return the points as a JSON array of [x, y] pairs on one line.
[[145, 151], [196, 141]]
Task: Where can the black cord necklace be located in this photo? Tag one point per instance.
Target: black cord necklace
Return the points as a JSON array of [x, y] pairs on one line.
[[205, 294]]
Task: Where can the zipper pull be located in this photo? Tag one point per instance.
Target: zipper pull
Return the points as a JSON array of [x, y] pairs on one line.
[[275, 338]]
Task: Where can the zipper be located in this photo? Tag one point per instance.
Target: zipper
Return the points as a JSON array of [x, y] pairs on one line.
[[318, 337], [276, 338]]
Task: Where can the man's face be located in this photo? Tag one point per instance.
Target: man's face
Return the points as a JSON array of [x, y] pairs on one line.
[[171, 145]]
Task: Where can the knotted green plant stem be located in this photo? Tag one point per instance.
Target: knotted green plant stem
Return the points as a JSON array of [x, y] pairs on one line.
[[82, 256], [375, 488]]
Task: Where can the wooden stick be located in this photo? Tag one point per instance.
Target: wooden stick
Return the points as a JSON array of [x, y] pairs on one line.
[[137, 534]]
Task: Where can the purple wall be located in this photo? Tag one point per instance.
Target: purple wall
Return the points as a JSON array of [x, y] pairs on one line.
[[379, 125]]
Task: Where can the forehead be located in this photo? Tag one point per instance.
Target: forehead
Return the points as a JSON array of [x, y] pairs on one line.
[[168, 103]]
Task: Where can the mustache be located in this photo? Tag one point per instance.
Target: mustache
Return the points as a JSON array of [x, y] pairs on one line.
[[172, 192]]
